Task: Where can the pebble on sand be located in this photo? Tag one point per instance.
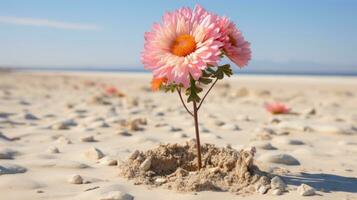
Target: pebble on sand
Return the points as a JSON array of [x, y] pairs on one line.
[[64, 125], [135, 124], [108, 161], [30, 116], [306, 190], [277, 183], [134, 155], [245, 118], [75, 179], [310, 111], [287, 141], [94, 153], [262, 145], [285, 159], [124, 132], [262, 189], [99, 124], [175, 129], [277, 192], [87, 138], [145, 166], [53, 150], [160, 180], [7, 153], [293, 126], [231, 127], [59, 126], [180, 135], [264, 133], [116, 195], [7, 168], [63, 140], [219, 122]]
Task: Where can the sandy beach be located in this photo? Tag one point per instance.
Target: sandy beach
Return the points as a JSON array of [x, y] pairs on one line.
[[62, 136]]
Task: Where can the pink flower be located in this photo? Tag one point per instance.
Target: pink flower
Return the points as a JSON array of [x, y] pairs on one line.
[[277, 108], [182, 45], [113, 91], [235, 46]]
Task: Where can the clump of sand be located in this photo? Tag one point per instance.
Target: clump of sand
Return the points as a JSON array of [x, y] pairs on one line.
[[174, 166]]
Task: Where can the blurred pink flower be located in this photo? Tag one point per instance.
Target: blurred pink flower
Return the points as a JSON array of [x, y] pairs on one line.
[[235, 46], [111, 90], [182, 45], [277, 108]]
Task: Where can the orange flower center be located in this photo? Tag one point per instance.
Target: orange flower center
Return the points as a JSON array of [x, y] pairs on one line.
[[183, 45]]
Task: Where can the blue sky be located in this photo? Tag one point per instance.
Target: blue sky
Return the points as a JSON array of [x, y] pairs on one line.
[[319, 33]]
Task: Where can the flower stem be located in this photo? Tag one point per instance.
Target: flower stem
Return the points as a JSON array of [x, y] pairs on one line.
[[183, 103], [198, 145], [204, 97]]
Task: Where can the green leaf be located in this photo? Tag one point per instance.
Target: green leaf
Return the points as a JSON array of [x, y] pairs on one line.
[[188, 92], [205, 74], [222, 71], [205, 81], [169, 88], [227, 70], [192, 91], [219, 73], [198, 89], [210, 70], [193, 97]]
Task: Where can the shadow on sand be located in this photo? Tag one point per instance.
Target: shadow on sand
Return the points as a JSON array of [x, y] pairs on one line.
[[324, 182]]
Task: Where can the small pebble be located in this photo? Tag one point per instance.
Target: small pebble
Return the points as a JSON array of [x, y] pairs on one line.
[[175, 129], [108, 161], [277, 192], [145, 166], [63, 140], [53, 150], [160, 180], [116, 195], [263, 189], [277, 183], [75, 179], [262, 145], [88, 138], [29, 116], [59, 126], [7, 153], [6, 168], [124, 133], [285, 159], [134, 155], [94, 154], [306, 190]]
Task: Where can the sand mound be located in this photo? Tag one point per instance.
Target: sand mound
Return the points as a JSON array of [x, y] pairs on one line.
[[174, 166]]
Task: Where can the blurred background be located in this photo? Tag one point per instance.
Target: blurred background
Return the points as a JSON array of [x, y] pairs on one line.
[[287, 37]]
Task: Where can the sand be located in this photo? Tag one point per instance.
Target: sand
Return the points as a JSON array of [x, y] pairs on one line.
[[62, 136], [174, 166]]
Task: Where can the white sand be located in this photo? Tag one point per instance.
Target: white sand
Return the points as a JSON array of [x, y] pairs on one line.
[[324, 144]]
